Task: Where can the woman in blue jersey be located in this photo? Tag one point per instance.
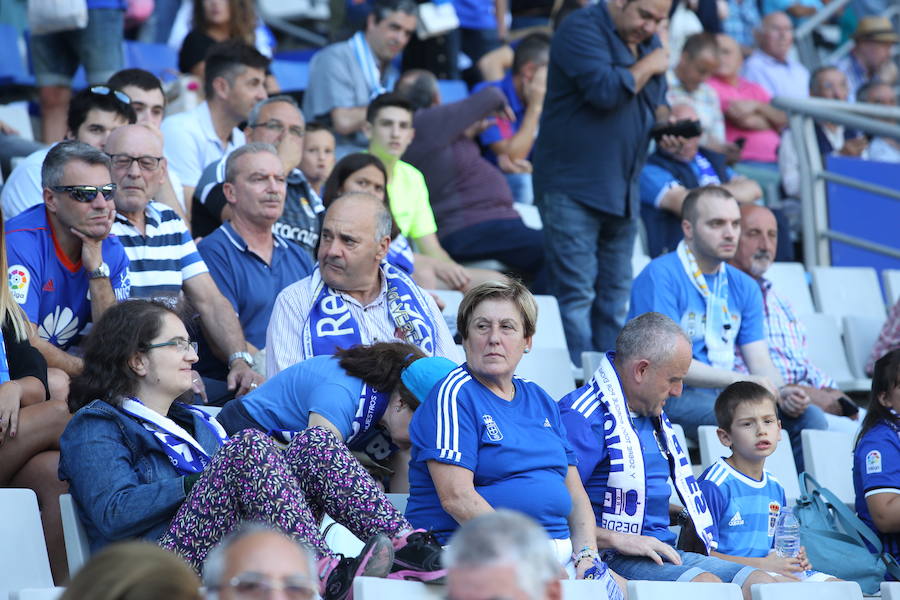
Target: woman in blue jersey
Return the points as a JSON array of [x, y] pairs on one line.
[[876, 459], [486, 439], [366, 395]]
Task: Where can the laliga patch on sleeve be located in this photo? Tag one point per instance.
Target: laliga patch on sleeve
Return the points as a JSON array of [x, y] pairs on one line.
[[873, 462], [19, 281]]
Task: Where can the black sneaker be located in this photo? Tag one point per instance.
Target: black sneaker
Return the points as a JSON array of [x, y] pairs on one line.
[[336, 574], [417, 557]]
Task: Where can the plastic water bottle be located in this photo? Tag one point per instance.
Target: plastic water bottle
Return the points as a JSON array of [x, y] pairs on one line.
[[787, 533]]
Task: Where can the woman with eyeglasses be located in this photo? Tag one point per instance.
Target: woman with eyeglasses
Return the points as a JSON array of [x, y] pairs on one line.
[[30, 423], [140, 465]]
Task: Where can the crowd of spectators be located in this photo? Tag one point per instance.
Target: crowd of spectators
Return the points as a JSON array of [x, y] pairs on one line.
[[276, 255]]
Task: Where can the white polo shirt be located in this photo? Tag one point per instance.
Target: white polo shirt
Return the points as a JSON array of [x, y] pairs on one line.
[[191, 143]]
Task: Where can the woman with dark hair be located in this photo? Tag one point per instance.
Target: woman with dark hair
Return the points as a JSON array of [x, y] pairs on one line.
[[30, 422], [363, 172], [141, 465], [357, 394], [876, 458]]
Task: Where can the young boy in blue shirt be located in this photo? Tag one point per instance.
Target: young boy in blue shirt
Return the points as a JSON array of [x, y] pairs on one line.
[[745, 499]]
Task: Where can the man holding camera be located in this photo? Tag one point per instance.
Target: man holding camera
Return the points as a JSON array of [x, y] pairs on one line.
[[605, 89], [668, 177]]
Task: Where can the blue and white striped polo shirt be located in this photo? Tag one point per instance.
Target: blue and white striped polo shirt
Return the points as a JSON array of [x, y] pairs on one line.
[[162, 258]]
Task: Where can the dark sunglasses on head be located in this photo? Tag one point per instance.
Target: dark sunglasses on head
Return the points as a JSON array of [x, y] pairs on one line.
[[86, 193], [102, 90]]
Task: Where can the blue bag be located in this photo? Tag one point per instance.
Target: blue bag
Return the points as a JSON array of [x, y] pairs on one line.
[[837, 542]]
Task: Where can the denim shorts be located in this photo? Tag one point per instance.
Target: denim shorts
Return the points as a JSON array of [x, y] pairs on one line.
[[98, 47], [692, 564]]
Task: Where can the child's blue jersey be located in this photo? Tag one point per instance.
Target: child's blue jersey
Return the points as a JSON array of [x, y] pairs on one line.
[[52, 290], [743, 509], [876, 470]]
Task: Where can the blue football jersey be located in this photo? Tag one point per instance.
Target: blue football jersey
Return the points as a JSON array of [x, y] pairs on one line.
[[743, 509], [51, 289], [876, 470]]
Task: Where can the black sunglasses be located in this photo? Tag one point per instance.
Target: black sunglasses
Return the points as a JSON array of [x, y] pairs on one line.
[[102, 90], [87, 193]]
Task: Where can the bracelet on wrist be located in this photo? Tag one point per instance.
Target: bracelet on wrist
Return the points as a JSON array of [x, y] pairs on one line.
[[586, 553]]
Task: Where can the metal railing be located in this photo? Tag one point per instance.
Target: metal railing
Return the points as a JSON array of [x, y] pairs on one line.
[[802, 113], [803, 35]]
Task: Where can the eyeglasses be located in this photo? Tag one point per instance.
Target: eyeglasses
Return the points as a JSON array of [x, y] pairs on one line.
[[102, 90], [180, 343], [124, 161], [255, 586], [87, 193], [278, 127]]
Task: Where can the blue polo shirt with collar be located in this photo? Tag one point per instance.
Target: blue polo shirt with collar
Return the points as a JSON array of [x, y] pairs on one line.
[[248, 282]]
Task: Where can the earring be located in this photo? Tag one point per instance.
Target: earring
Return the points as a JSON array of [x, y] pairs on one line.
[[527, 350]]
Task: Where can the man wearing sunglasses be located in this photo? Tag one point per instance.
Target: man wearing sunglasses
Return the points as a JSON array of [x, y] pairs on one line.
[[164, 259], [277, 121], [93, 113], [64, 269], [255, 562]]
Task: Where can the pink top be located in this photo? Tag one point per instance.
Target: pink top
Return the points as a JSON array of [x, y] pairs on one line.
[[761, 144]]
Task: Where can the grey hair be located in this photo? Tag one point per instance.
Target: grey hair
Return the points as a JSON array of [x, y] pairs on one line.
[[505, 537], [214, 565], [63, 153], [251, 148], [253, 117], [651, 336], [383, 221]]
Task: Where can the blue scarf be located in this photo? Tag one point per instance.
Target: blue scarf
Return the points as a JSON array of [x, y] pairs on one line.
[[185, 453], [368, 66], [400, 254], [4, 363], [331, 325]]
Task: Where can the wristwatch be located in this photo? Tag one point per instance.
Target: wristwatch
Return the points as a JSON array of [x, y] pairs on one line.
[[101, 271], [244, 356]]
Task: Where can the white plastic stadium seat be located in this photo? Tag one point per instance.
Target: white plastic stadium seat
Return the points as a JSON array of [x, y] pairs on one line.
[[860, 334], [399, 501], [780, 463], [375, 588], [550, 369], [23, 554], [78, 550], [890, 278], [825, 349], [828, 456], [549, 329], [841, 291], [37, 594], [451, 300], [672, 590], [826, 590], [890, 590], [573, 589], [789, 281]]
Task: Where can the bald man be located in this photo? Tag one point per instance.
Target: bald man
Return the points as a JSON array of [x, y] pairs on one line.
[[258, 558], [785, 334], [353, 296], [770, 66], [164, 259], [667, 178]]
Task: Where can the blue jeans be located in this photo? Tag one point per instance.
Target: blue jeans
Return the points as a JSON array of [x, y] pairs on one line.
[[696, 407], [692, 564], [520, 186], [98, 47], [588, 256]]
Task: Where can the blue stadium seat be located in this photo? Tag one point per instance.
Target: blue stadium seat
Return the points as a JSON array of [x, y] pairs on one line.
[[159, 59], [12, 66], [452, 90], [292, 76]]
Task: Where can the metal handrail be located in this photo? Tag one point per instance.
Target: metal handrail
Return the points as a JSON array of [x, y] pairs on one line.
[[803, 39], [813, 176]]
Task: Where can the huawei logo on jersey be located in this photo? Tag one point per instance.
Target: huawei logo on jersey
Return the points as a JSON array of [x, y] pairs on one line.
[[59, 327]]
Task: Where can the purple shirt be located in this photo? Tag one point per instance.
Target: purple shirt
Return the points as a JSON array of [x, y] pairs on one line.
[[465, 189], [790, 79]]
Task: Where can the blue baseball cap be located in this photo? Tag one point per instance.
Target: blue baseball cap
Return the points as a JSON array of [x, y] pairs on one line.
[[422, 375]]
